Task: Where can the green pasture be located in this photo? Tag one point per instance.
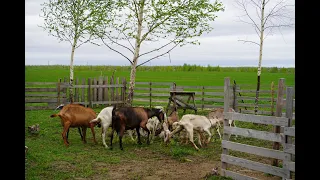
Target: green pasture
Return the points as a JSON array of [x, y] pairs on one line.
[[180, 74]]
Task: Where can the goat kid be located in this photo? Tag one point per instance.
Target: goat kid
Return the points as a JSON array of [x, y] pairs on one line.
[[125, 118], [75, 115]]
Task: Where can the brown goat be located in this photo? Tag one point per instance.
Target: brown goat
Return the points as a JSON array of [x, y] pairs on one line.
[[75, 115], [125, 118]]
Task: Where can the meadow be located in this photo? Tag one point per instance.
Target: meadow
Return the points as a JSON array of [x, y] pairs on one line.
[[48, 158]]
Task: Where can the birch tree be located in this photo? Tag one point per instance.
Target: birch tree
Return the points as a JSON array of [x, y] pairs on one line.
[[72, 21], [173, 22], [265, 17]]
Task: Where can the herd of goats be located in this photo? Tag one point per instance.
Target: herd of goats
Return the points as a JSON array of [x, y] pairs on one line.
[[141, 121]]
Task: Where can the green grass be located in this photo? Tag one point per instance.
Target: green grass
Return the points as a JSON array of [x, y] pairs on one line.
[[48, 158], [192, 78]]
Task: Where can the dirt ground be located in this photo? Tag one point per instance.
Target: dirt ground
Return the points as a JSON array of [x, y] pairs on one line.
[[157, 166]]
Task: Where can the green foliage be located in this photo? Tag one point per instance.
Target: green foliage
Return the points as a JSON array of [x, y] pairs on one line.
[[73, 21]]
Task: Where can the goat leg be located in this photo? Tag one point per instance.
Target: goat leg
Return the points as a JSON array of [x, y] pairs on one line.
[[111, 138], [93, 133], [79, 130], [138, 134]]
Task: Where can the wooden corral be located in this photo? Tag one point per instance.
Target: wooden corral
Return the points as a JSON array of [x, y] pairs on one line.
[[284, 138]]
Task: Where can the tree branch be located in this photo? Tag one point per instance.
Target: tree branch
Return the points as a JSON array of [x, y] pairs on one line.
[[246, 41], [167, 52], [116, 51], [157, 49]]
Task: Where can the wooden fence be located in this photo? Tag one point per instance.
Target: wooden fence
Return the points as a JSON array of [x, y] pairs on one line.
[[103, 91], [285, 138], [93, 92]]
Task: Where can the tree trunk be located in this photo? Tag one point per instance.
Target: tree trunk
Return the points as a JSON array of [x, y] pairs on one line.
[[260, 58], [136, 55], [71, 73]]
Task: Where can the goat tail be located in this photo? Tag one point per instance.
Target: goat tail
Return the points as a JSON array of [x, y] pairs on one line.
[[95, 120], [54, 115]]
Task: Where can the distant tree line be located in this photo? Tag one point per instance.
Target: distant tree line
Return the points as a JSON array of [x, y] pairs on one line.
[[184, 67]]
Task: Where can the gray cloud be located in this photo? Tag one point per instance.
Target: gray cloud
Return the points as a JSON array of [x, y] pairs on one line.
[[220, 47]]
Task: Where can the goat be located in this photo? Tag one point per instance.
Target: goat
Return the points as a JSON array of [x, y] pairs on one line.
[[125, 118], [191, 122], [75, 115], [105, 119], [217, 113]]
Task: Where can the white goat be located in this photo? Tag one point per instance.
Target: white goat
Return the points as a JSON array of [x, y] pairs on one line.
[[191, 122], [105, 119]]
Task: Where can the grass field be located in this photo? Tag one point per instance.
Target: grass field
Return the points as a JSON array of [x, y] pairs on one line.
[[243, 75], [48, 158]]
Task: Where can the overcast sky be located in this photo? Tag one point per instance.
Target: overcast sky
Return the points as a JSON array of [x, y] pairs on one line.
[[221, 47]]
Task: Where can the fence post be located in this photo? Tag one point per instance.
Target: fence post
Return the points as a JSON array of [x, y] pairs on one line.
[[202, 106], [272, 98], [289, 114], [124, 89], [225, 122], [58, 88], [276, 129], [89, 93], [150, 92]]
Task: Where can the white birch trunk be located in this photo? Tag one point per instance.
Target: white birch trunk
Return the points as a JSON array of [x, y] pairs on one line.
[[71, 73], [136, 55], [260, 56]]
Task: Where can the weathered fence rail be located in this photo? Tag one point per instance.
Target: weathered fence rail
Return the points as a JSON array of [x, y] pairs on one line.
[[284, 139], [104, 91]]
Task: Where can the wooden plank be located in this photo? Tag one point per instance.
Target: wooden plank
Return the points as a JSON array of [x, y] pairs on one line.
[[40, 100], [142, 94], [41, 83], [213, 93], [107, 102], [83, 90], [289, 148], [117, 90], [291, 166], [139, 88], [213, 87], [100, 82], [105, 90], [76, 91], [211, 99], [44, 95], [279, 121], [269, 136], [289, 131], [41, 89], [265, 152], [254, 91], [160, 89], [253, 105], [159, 95], [253, 165], [258, 112], [237, 176], [253, 98]]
